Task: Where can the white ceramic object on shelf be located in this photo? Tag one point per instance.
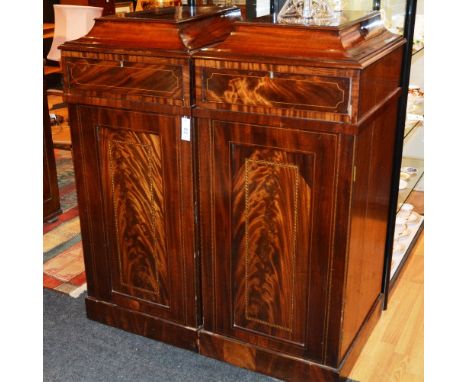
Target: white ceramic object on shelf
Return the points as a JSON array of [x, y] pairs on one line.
[[413, 218], [398, 248], [405, 210], [412, 117], [404, 234], [404, 176], [403, 184], [400, 225], [409, 170]]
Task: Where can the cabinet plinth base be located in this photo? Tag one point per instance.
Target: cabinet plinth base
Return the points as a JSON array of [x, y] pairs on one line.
[[284, 366], [263, 361], [142, 324]]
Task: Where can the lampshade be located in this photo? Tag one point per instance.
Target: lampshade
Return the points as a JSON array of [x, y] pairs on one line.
[[71, 23]]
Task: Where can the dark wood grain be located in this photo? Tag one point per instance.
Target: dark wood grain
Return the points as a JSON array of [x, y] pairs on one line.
[[126, 81], [266, 191], [172, 30], [268, 227], [134, 164], [270, 89], [374, 157], [281, 90], [263, 360], [126, 77], [142, 324]]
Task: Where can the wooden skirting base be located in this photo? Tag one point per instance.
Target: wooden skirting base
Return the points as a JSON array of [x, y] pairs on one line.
[[229, 350], [263, 361], [281, 365], [139, 323]]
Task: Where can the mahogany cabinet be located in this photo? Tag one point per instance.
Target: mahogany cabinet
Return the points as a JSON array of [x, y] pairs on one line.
[[258, 237], [128, 85], [296, 130]]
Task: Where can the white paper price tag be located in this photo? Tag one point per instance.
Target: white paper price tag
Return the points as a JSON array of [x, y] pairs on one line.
[[185, 129]]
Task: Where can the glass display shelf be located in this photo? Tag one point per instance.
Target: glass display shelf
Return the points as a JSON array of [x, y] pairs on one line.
[[410, 125], [412, 180], [406, 244], [417, 50]]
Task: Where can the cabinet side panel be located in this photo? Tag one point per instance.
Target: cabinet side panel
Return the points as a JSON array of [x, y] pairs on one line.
[[379, 80], [371, 192]]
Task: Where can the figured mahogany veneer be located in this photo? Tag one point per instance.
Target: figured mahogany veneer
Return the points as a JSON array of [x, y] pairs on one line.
[[260, 241]]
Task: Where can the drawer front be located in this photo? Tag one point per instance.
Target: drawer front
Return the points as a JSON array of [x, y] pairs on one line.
[[127, 79], [271, 90]]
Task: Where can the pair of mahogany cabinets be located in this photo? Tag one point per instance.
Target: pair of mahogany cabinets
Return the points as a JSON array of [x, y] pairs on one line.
[[233, 181]]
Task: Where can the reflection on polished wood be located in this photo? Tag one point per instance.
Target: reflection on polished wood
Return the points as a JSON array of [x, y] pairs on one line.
[[395, 349]]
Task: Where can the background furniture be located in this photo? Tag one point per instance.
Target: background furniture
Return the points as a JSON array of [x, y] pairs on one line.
[[50, 191], [107, 5], [122, 7]]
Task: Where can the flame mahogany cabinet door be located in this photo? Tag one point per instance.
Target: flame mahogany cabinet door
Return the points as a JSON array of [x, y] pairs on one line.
[[268, 197], [134, 178]]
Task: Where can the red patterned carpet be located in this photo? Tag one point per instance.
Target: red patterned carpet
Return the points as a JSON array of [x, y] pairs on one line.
[[63, 269]]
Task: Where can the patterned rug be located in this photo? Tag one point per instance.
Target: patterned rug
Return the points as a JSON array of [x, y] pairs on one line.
[[63, 269]]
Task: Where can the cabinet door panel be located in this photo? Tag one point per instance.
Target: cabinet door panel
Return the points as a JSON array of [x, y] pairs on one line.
[[271, 197], [134, 163], [271, 193], [143, 172]]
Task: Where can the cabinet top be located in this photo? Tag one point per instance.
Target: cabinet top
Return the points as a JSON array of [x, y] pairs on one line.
[[175, 30], [172, 15], [353, 40]]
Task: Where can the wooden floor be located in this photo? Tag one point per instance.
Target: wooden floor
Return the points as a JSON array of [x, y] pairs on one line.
[[395, 349]]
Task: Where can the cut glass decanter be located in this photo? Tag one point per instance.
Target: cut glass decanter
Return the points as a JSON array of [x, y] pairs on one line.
[[316, 12]]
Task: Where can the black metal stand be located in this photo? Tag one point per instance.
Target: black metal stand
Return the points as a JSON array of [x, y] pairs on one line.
[[405, 76]]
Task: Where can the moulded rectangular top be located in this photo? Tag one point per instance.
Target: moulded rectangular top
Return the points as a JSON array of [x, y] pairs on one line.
[[353, 40], [175, 30]]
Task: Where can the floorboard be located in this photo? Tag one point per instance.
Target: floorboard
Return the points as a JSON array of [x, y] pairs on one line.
[[395, 349]]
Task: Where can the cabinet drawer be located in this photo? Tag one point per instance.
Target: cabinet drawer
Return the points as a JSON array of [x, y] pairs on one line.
[[317, 95], [125, 80]]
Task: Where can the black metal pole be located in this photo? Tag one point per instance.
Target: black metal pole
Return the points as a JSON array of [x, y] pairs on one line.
[[404, 83]]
